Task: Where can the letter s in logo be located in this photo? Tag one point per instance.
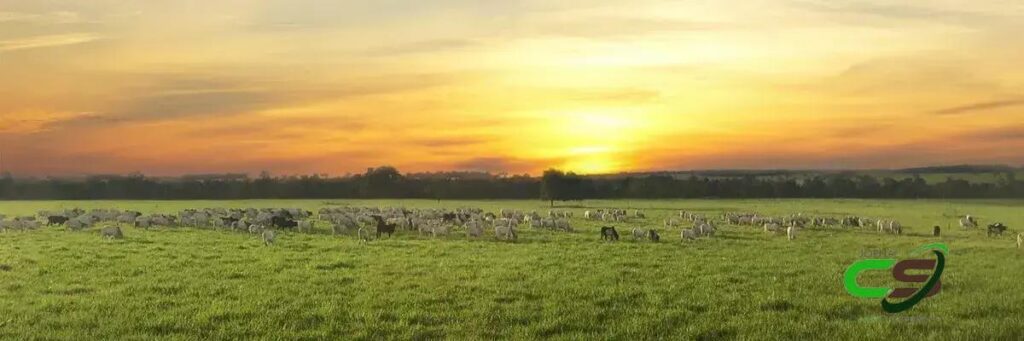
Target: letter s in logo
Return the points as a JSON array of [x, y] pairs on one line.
[[918, 295], [899, 272]]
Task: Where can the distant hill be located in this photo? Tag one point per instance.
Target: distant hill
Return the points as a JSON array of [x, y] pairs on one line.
[[955, 169], [931, 174]]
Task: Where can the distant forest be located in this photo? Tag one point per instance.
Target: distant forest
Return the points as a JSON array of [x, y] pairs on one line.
[[554, 185]]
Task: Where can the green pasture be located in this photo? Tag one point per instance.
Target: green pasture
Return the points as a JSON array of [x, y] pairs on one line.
[[183, 283]]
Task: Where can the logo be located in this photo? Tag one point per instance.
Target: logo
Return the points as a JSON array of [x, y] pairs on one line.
[[913, 296]]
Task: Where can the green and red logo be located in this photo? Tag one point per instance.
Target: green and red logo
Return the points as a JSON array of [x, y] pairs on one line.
[[913, 296]]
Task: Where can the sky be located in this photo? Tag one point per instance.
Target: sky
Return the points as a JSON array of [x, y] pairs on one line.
[[335, 87]]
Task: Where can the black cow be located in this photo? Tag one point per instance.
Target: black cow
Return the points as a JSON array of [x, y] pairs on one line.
[[936, 230], [996, 229], [654, 236], [229, 221], [383, 227], [283, 222], [56, 220], [609, 234]]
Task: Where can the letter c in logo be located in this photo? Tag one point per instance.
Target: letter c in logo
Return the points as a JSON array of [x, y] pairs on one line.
[[850, 278]]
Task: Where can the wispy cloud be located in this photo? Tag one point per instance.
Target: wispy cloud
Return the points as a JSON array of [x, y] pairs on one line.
[[897, 11], [423, 47], [58, 17], [1010, 133], [622, 26], [178, 96], [980, 106], [47, 41]]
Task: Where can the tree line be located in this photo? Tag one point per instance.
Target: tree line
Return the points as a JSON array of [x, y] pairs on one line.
[[554, 185]]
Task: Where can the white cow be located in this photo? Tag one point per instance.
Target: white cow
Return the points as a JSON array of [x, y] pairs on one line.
[[76, 224], [506, 232], [968, 222], [112, 232], [705, 229], [563, 225], [639, 234], [791, 232], [440, 231], [268, 237], [687, 234], [306, 226], [474, 230], [671, 222]]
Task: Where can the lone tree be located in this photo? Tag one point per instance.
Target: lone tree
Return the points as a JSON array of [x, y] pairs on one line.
[[557, 185], [382, 182]]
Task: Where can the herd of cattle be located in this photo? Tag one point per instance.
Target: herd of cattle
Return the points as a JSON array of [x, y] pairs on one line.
[[369, 222]]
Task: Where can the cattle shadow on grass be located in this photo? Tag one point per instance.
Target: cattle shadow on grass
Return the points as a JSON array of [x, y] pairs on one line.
[[730, 236], [339, 265]]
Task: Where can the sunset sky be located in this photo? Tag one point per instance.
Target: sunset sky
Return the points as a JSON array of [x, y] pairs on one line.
[[328, 86]]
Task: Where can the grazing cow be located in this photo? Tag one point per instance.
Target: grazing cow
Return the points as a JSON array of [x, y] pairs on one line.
[[128, 217], [936, 231], [639, 233], [338, 228], [563, 225], [506, 232], [76, 224], [609, 233], [112, 232], [283, 222], [895, 227], [383, 227], [791, 233], [705, 229], [306, 226], [474, 231], [654, 236], [268, 237], [968, 222], [55, 220], [439, 231], [229, 221], [889, 226], [688, 234], [996, 229], [671, 222]]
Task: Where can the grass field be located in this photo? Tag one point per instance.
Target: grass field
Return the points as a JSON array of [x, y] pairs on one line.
[[204, 284]]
